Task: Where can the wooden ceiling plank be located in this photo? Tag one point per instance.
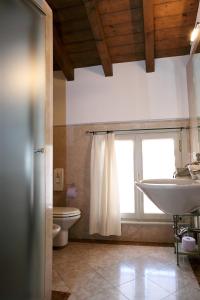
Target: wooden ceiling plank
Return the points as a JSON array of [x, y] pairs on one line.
[[66, 3], [175, 21], [80, 47], [110, 6], [98, 33], [127, 49], [125, 16], [173, 33], [82, 60], [172, 52], [59, 53], [62, 58], [165, 1], [125, 39], [69, 14], [168, 44], [129, 57], [76, 37], [148, 14], [175, 8], [123, 29], [73, 26]]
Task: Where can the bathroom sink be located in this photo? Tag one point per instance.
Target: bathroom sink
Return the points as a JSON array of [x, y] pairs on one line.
[[172, 196], [56, 230]]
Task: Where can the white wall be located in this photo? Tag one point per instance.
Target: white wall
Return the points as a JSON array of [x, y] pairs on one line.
[[130, 95], [193, 77]]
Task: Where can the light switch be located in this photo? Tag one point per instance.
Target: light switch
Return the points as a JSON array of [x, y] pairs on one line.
[[58, 182]]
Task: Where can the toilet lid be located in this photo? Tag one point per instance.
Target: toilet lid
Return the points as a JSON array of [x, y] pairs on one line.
[[65, 212]]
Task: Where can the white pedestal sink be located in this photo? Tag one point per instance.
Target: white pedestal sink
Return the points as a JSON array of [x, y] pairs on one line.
[[172, 196]]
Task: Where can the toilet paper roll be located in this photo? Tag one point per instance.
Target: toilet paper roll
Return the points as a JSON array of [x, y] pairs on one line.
[[188, 243]]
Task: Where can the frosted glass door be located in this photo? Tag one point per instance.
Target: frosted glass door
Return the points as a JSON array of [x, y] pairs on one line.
[[22, 95]]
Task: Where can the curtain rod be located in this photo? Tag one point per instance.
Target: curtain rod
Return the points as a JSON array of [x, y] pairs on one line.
[[135, 129]]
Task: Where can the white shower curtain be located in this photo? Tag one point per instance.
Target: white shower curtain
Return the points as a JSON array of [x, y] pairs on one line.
[[104, 198]]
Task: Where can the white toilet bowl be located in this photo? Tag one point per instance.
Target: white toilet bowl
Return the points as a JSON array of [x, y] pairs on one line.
[[56, 230], [65, 217]]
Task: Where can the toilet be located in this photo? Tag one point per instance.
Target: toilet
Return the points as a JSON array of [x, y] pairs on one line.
[[65, 217], [55, 231]]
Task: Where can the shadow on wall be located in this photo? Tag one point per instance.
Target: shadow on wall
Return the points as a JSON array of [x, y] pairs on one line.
[[59, 99], [97, 70], [59, 132], [60, 161]]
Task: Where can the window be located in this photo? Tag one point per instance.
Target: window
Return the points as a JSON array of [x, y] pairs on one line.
[[125, 163], [158, 159], [144, 156]]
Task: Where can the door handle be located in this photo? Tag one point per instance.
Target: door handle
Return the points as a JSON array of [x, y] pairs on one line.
[[39, 150]]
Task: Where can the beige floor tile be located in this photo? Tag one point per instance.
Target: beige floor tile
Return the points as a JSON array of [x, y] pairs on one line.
[[113, 294], [168, 280], [82, 280], [184, 266], [60, 256], [142, 289], [58, 284], [183, 271], [164, 254], [185, 294], [72, 273], [144, 265], [73, 297], [103, 260], [117, 274], [104, 271], [172, 278]]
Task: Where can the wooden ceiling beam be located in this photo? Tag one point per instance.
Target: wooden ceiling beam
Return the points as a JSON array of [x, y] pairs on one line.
[[60, 55], [149, 34], [98, 33]]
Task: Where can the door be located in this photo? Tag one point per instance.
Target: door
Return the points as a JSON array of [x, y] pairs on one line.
[[23, 91]]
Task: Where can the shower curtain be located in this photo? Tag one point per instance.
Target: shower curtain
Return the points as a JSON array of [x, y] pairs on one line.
[[104, 198]]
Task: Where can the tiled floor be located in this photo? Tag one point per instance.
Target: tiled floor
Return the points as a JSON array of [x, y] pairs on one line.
[[121, 272]]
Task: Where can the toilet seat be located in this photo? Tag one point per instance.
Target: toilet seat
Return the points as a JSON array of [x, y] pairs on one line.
[[63, 212]]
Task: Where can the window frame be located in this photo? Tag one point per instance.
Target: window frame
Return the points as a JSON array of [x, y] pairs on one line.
[[129, 216], [181, 152]]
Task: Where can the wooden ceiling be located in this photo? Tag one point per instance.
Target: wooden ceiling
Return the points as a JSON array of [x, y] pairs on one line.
[[103, 32]]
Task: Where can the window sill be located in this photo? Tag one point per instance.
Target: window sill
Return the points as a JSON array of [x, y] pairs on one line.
[[143, 222]]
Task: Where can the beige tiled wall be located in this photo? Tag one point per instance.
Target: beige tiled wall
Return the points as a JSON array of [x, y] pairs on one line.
[[72, 149]]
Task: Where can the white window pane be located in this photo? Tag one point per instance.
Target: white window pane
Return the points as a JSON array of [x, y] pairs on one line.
[[150, 207], [158, 162], [125, 167]]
